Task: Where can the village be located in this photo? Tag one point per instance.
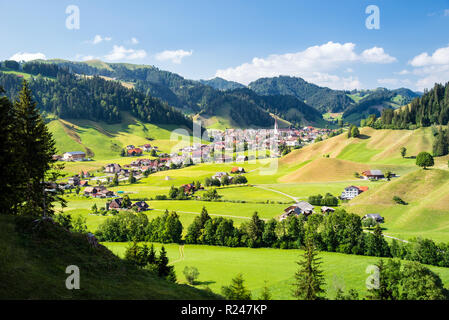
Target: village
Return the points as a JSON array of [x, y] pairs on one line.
[[229, 146]]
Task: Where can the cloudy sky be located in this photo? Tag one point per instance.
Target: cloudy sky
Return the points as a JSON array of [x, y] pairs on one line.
[[327, 43]]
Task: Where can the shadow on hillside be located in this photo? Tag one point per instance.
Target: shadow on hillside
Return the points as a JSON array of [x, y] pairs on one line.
[[363, 137]]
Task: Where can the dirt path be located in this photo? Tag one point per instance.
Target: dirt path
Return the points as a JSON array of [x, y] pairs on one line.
[[284, 194], [181, 254], [402, 240]]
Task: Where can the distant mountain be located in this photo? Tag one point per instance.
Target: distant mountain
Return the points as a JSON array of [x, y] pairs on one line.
[[374, 101], [222, 84], [193, 97], [321, 98]]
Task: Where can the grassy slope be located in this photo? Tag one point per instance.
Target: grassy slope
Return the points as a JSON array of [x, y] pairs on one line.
[[218, 265], [34, 268]]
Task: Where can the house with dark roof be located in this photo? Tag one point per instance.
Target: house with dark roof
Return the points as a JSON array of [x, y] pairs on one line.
[[299, 208], [141, 206], [375, 216], [373, 174]]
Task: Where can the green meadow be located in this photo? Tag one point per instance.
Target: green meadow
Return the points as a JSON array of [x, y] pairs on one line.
[[218, 265]]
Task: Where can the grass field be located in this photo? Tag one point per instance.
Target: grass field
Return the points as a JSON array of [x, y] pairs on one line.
[[218, 265], [300, 174]]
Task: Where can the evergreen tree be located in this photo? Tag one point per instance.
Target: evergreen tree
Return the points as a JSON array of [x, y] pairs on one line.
[[236, 290], [309, 279], [35, 150], [163, 269], [403, 152], [266, 292]]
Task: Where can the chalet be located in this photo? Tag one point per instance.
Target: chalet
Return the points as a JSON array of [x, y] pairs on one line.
[[241, 158], [373, 174], [299, 208], [112, 168], [325, 209], [56, 157], [114, 204], [219, 175], [74, 156], [135, 152], [351, 192], [147, 147], [189, 188], [237, 170], [377, 217], [141, 206], [84, 183], [130, 147], [75, 180], [90, 191]]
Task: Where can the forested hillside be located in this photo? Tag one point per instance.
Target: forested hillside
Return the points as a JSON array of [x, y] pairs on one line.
[[430, 109], [376, 101], [322, 99], [70, 96], [222, 84], [210, 98]]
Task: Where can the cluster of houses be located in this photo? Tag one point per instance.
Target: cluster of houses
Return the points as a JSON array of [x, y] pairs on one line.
[[306, 209], [117, 204], [98, 192], [225, 143]]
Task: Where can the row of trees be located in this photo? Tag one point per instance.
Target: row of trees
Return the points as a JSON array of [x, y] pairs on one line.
[[337, 232], [128, 226], [145, 257], [225, 181], [327, 200]]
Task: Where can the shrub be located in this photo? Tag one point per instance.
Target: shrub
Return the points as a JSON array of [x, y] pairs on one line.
[[191, 274]]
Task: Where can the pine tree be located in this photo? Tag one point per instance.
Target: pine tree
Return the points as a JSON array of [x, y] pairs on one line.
[[309, 278], [236, 290], [266, 293], [9, 198], [163, 269], [36, 149]]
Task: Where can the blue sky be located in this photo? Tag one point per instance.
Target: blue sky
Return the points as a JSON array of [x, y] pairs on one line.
[[324, 42]]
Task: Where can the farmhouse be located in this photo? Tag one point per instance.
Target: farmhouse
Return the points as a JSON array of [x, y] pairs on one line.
[[325, 209], [237, 170], [373, 174], [75, 180], [74, 156], [241, 158], [141, 206], [299, 208], [351, 192], [114, 204], [377, 217], [134, 152], [112, 168]]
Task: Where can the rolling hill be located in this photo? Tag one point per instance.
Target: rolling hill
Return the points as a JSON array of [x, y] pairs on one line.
[[33, 265], [425, 191]]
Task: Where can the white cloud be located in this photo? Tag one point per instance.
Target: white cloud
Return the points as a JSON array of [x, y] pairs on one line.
[[439, 57], [175, 56], [312, 64], [98, 39], [431, 68], [376, 55], [403, 72], [121, 53], [26, 56], [134, 40]]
